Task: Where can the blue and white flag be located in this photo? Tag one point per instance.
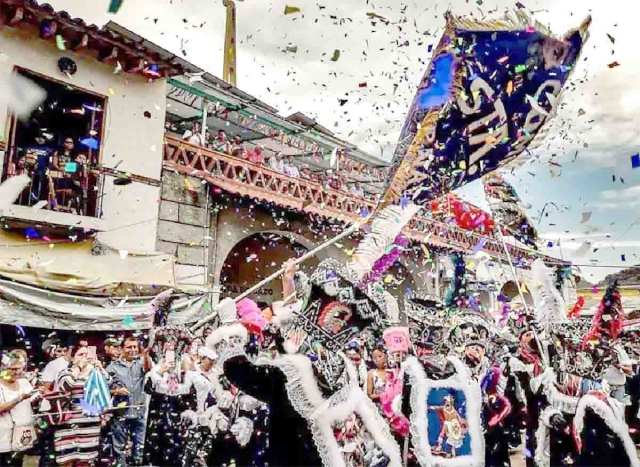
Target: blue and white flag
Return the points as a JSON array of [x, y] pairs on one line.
[[97, 396]]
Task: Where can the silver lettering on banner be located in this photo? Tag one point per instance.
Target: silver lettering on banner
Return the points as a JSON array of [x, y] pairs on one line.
[[501, 131]]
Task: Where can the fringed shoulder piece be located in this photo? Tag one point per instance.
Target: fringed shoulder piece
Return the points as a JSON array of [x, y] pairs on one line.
[[614, 421]]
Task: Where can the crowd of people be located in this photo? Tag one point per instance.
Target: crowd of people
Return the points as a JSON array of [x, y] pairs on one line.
[[240, 393], [59, 174], [329, 179]]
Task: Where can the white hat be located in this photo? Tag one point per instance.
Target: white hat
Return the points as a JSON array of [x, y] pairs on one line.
[[205, 352]]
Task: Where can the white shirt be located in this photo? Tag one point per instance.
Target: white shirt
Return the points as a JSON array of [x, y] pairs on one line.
[[275, 164], [202, 383], [20, 415], [193, 138], [53, 369], [359, 192], [613, 375], [291, 170]]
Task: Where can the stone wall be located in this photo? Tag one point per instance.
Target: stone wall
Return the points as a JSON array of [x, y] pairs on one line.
[[183, 226]]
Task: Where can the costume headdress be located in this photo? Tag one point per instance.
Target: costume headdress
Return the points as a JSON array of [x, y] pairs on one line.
[[339, 304], [470, 327], [428, 326]]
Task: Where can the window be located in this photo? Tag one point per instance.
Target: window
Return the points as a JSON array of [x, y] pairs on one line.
[[57, 147]]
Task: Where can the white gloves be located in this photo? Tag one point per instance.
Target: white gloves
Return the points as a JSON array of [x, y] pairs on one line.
[[242, 429]]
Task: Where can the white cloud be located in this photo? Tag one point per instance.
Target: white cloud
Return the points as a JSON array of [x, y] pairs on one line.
[[571, 245], [622, 194], [572, 235]]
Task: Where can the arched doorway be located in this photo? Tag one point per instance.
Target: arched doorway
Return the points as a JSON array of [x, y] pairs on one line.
[[510, 292], [257, 257]]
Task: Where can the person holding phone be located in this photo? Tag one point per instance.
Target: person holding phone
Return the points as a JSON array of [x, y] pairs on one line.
[[171, 395], [77, 424], [17, 429]]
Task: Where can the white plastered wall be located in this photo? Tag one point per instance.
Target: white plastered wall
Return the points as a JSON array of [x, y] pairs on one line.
[[130, 141]]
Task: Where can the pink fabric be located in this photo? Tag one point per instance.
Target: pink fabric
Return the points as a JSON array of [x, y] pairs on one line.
[[393, 389], [246, 307], [396, 339]]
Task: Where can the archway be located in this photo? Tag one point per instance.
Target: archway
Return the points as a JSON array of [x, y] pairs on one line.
[[256, 257], [510, 291]]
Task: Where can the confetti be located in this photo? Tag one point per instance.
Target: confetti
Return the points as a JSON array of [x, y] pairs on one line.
[[115, 5], [613, 64], [611, 38], [336, 55], [635, 161], [586, 216], [60, 42], [289, 10]]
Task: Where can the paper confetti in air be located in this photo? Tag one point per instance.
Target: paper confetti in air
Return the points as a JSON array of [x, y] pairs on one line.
[[289, 10]]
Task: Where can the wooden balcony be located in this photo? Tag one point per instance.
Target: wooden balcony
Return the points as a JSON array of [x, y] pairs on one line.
[[244, 178]]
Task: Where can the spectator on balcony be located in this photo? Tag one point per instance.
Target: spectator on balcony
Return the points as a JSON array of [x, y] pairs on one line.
[[194, 135], [306, 173], [356, 190], [222, 143], [68, 178], [291, 169], [276, 163], [237, 147], [256, 156]]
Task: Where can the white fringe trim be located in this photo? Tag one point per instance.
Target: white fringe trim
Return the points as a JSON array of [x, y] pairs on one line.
[[542, 456], [613, 421], [321, 413], [420, 387], [226, 333], [284, 314]]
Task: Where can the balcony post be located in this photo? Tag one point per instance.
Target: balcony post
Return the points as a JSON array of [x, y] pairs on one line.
[[203, 107]]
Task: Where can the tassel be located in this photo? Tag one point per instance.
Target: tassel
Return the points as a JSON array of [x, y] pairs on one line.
[[611, 308], [457, 296], [386, 261], [385, 228]]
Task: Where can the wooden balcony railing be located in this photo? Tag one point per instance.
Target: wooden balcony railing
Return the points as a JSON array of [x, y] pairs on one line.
[[244, 178]]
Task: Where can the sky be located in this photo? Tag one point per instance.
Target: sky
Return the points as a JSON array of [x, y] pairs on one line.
[[591, 193]]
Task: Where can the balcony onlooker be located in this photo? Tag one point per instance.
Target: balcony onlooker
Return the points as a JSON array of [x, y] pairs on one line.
[[194, 135], [290, 168], [256, 156], [356, 190], [68, 178], [305, 173], [237, 147], [222, 143], [276, 163]]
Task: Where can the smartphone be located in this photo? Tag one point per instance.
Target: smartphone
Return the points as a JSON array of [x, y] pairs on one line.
[[92, 354], [170, 357]]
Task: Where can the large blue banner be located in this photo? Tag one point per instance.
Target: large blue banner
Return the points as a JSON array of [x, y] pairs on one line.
[[488, 91]]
